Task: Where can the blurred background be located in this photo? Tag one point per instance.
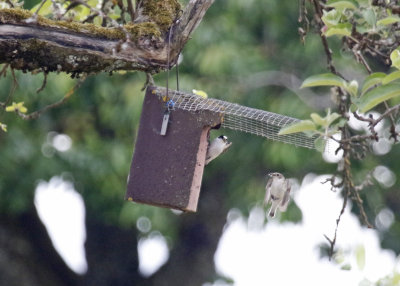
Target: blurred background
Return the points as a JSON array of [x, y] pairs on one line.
[[68, 169]]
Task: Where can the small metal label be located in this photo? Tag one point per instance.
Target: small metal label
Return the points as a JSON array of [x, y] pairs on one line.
[[164, 125]]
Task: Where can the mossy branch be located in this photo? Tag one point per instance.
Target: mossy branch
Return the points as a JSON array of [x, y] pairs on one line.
[[29, 42]]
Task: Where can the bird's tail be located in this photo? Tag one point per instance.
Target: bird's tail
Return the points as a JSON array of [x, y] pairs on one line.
[[272, 211]]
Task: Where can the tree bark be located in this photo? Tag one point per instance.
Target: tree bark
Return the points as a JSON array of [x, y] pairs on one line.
[[31, 43]]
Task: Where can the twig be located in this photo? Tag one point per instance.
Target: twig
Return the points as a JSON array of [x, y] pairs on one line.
[[332, 242], [373, 122], [3, 71], [40, 7], [392, 123], [388, 111], [325, 44], [38, 113], [349, 186], [186, 24], [347, 143], [360, 58], [10, 3], [352, 139], [123, 10], [13, 88], [43, 83], [302, 11], [149, 81], [303, 19], [363, 216], [333, 184], [131, 10]]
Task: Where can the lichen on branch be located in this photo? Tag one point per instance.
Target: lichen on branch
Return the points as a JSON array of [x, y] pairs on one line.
[[31, 42]]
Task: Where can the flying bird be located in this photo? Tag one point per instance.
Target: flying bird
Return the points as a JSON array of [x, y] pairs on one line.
[[277, 191]]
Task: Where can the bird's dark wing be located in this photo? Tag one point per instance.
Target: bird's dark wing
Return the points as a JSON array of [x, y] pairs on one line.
[[267, 192], [286, 198]]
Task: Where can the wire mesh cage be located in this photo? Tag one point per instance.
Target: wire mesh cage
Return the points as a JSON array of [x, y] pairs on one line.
[[238, 117]]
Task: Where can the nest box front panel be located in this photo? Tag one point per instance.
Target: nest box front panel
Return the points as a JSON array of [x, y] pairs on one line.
[[167, 170]]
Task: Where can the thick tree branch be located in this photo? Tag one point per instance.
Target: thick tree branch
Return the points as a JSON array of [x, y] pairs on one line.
[[187, 23], [50, 49], [36, 43]]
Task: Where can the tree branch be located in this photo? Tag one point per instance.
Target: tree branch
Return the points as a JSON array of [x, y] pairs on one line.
[[187, 23], [28, 43]]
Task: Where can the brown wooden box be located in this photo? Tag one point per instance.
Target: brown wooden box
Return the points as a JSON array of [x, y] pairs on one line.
[[167, 170]]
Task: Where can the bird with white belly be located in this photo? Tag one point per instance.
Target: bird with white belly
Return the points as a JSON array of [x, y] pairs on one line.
[[277, 192], [218, 146]]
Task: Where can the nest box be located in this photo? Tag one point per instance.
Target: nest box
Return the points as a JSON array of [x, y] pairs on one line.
[[167, 169]]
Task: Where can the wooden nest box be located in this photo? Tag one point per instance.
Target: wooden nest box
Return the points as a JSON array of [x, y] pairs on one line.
[[167, 170]]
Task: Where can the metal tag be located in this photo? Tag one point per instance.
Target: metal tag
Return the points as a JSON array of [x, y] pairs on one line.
[[164, 125]]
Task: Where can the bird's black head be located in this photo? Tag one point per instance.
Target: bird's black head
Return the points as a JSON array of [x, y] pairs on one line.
[[223, 138]]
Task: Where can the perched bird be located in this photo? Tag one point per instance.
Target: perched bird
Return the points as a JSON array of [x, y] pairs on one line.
[[278, 192], [217, 147], [201, 93]]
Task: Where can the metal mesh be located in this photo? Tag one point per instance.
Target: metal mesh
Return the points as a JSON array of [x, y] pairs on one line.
[[239, 117]]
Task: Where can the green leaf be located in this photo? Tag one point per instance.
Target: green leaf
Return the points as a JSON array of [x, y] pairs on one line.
[[354, 107], [81, 13], [346, 267], [331, 18], [300, 126], [371, 80], [395, 58], [18, 107], [320, 144], [342, 4], [45, 10], [370, 17], [378, 95], [3, 127], [327, 79], [388, 20], [391, 77], [326, 121], [352, 88], [341, 123], [340, 31], [360, 256], [318, 119], [339, 257], [332, 117]]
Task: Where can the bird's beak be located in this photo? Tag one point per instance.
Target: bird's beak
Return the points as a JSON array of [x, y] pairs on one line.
[[269, 174]]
